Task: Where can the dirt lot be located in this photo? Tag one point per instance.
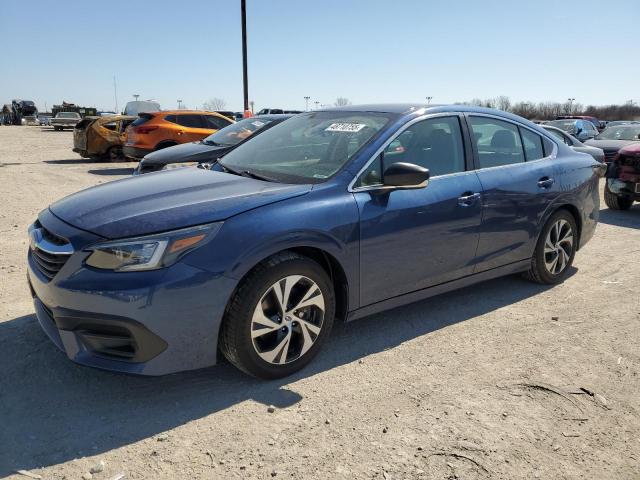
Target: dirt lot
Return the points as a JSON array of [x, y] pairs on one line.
[[506, 379]]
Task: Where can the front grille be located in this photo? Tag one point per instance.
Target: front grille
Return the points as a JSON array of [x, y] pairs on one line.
[[48, 264], [49, 251], [609, 154]]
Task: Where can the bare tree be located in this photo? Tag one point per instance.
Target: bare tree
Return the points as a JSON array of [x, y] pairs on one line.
[[342, 102], [214, 104], [503, 103]]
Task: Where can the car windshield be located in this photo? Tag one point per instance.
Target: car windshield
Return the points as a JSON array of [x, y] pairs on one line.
[[566, 125], [620, 132], [307, 148], [68, 115], [236, 132]]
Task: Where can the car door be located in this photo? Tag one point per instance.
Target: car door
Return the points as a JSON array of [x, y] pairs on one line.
[[194, 127], [413, 239], [516, 170]]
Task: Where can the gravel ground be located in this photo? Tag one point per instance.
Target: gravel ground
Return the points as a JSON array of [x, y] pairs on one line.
[[505, 379]]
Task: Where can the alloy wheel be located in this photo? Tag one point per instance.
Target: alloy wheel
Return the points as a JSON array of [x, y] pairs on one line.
[[287, 320], [558, 247]]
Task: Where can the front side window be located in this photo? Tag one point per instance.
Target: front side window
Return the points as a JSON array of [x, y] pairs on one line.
[[435, 144], [497, 142], [307, 148], [533, 149]]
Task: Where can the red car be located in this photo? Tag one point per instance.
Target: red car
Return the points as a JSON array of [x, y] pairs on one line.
[[623, 179]]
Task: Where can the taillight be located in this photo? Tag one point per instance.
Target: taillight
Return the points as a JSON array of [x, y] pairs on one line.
[[145, 129]]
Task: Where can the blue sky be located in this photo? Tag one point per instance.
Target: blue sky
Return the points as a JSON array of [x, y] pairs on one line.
[[365, 50]]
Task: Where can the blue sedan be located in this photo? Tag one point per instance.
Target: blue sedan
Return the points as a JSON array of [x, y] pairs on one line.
[[330, 215]]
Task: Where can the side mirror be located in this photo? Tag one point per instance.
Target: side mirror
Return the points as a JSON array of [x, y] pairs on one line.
[[405, 175]]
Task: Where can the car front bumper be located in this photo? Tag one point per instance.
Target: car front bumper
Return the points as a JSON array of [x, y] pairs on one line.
[[148, 323]]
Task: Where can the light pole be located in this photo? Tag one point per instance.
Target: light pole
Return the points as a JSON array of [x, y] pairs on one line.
[[571, 100], [306, 103], [317, 103], [245, 80], [179, 104], [136, 95], [429, 100]]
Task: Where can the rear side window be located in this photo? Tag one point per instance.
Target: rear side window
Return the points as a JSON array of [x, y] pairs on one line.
[[497, 142], [110, 126], [191, 121], [533, 149], [216, 123]]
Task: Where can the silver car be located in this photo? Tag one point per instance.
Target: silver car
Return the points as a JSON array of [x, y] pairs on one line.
[[575, 144]]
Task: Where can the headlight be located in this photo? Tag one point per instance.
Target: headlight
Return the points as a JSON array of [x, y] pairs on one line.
[[170, 166], [150, 252]]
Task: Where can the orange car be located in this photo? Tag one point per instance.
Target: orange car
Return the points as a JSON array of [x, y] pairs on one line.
[[158, 130]]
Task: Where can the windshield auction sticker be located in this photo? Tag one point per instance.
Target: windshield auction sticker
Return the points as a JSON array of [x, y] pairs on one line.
[[345, 127]]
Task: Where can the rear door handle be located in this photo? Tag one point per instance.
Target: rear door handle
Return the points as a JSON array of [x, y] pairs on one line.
[[545, 182], [467, 199]]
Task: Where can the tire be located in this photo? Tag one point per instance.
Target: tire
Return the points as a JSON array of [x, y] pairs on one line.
[[543, 269], [616, 202], [279, 351], [114, 154]]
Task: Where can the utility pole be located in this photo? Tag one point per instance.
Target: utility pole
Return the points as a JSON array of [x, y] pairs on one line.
[[179, 104], [245, 81], [429, 100], [115, 93], [306, 103]]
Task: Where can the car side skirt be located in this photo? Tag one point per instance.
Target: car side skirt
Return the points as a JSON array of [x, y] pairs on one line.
[[418, 295]]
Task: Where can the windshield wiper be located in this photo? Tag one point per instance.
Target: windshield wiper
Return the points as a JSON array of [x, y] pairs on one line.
[[247, 173]]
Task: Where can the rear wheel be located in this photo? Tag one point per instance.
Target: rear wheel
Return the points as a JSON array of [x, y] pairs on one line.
[[114, 154], [279, 317], [616, 202], [555, 249]]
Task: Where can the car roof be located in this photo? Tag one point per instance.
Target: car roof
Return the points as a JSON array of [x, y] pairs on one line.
[[407, 109], [198, 112], [270, 116]]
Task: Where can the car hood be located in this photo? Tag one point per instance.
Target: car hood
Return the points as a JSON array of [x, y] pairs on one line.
[[608, 144], [166, 201], [186, 152]]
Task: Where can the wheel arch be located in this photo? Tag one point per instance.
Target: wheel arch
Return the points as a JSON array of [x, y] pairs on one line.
[[164, 144], [329, 263], [562, 205]]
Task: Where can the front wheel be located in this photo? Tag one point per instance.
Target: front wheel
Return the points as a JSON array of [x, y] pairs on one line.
[[555, 249], [279, 317], [616, 202]]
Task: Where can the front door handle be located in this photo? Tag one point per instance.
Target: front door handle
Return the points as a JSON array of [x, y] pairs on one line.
[[467, 199], [545, 182]]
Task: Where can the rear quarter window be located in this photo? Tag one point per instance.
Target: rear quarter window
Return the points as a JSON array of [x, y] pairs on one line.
[[533, 148], [141, 119]]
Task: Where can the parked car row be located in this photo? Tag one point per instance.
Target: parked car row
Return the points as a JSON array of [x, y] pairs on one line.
[[210, 149]]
